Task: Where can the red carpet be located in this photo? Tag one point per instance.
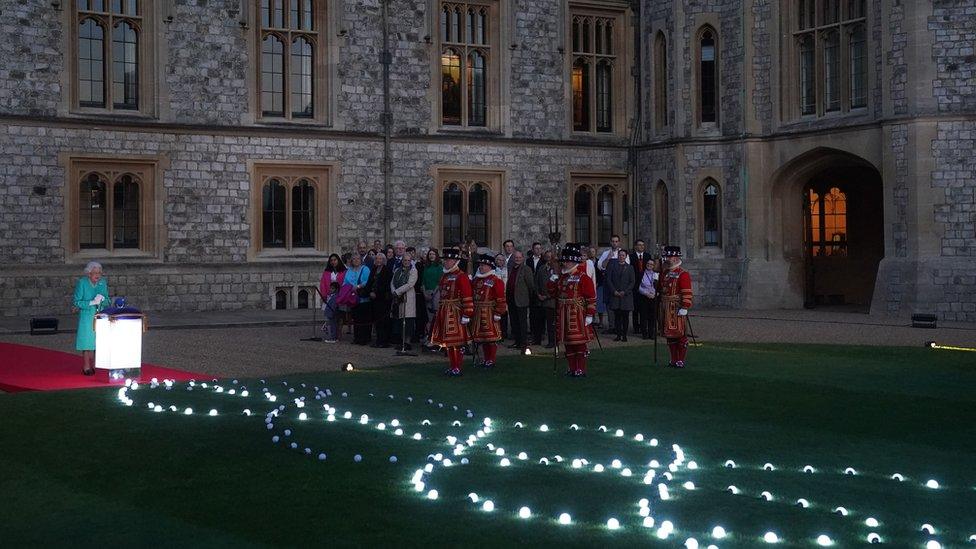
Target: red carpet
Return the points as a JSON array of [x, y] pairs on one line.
[[26, 368]]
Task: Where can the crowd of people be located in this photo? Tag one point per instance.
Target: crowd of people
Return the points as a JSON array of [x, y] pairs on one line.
[[386, 296]]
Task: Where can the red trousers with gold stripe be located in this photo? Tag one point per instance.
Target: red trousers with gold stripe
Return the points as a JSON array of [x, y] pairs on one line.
[[576, 357]]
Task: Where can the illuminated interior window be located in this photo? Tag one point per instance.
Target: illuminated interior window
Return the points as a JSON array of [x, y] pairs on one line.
[[828, 223]]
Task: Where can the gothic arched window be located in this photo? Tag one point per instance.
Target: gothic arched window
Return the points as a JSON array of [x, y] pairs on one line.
[[108, 60], [465, 64], [660, 81], [711, 214], [708, 79], [291, 60], [592, 76]]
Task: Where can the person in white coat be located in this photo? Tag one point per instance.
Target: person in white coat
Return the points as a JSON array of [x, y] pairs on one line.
[[404, 300]]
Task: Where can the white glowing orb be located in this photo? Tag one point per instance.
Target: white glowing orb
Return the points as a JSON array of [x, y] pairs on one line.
[[213, 412], [662, 533], [398, 432], [644, 502], [524, 513], [188, 411], [523, 456], [932, 544], [691, 543], [598, 468], [809, 469], [872, 522], [626, 472], [416, 436], [928, 529], [544, 428], [158, 408], [473, 497], [245, 393], [616, 464], [613, 524], [395, 422], [932, 483], [428, 468], [730, 464], [302, 416], [504, 462], [619, 433], [487, 422], [447, 462], [842, 511], [574, 427], [565, 519], [653, 442], [603, 429], [692, 466], [803, 503], [824, 540], [499, 452], [544, 461], [246, 412], [769, 467], [689, 485], [850, 471], [668, 526], [645, 511], [425, 422], [577, 464], [898, 476], [648, 522], [452, 440], [488, 506], [519, 424], [972, 538], [662, 490], [357, 458], [732, 490], [347, 415], [766, 496], [873, 537], [718, 532], [432, 494], [771, 537]]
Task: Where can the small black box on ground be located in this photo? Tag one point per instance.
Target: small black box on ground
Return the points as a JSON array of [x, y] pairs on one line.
[[43, 325], [920, 320]]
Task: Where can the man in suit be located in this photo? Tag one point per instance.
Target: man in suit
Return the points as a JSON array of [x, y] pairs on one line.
[[520, 289], [546, 303], [363, 253], [382, 299], [508, 248], [537, 314], [620, 284], [638, 260], [399, 248]]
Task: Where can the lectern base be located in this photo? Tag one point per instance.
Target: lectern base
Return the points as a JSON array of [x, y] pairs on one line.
[[118, 375]]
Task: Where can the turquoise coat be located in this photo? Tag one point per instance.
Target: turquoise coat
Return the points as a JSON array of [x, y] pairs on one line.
[[84, 293]]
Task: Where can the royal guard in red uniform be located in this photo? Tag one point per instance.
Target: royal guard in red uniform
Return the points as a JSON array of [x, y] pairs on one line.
[[454, 312], [576, 305], [489, 307], [676, 297]]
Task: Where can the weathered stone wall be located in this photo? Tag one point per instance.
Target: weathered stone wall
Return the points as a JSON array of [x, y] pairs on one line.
[[955, 152], [31, 60], [953, 24]]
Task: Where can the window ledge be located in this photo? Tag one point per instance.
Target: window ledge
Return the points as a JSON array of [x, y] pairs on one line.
[[292, 123], [468, 130], [289, 255], [135, 256], [113, 114]]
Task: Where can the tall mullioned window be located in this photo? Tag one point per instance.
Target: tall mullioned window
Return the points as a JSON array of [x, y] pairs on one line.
[[598, 209], [112, 205], [711, 214], [108, 54], [468, 206], [660, 81], [290, 208], [594, 71], [291, 58], [708, 76], [466, 61], [830, 45]]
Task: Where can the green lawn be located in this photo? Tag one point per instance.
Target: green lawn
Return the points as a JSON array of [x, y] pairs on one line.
[[81, 468]]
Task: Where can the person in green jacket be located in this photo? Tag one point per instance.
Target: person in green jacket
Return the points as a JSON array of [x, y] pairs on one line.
[[91, 296]]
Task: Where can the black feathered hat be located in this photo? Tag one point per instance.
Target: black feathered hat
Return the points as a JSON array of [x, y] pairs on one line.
[[671, 251], [450, 253], [571, 252]]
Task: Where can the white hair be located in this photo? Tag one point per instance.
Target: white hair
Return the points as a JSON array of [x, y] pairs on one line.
[[400, 243], [92, 265]]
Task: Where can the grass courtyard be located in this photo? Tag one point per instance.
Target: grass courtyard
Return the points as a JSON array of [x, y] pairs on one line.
[[82, 468]]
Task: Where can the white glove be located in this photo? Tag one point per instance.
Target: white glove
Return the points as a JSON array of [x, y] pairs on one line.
[[497, 318], [98, 299], [94, 302], [655, 276], [554, 277], [465, 320], [682, 312], [589, 320]]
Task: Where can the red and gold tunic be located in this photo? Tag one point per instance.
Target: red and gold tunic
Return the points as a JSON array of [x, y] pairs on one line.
[[489, 302], [454, 292], [675, 294], [576, 300]]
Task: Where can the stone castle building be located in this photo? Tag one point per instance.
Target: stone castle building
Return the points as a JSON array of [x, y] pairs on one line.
[[211, 153]]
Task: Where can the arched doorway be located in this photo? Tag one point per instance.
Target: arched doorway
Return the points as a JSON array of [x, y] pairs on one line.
[[843, 236], [826, 232]]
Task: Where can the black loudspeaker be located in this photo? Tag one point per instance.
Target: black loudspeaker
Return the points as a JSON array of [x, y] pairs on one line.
[[43, 325], [924, 321]]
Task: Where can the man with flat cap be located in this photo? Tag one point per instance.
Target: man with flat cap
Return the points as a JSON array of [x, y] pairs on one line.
[[575, 296], [454, 312]]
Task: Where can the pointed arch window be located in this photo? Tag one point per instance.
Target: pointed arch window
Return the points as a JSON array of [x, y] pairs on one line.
[[303, 214], [109, 62], [827, 221], [291, 64], [109, 208], [466, 63], [711, 214], [592, 75], [598, 208], [708, 76], [660, 81], [662, 219], [92, 218], [468, 206], [830, 52]]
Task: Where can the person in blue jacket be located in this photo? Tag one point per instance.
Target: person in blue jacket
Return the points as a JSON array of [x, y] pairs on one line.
[[91, 296]]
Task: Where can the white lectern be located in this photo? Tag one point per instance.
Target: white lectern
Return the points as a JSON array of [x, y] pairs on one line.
[[118, 344]]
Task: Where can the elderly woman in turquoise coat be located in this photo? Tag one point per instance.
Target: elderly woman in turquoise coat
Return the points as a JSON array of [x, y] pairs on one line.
[[91, 296]]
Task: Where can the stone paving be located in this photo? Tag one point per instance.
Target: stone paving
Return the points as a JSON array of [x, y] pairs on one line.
[[267, 343]]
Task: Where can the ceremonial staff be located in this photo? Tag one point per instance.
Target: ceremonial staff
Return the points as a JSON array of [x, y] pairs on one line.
[[554, 237], [658, 285]]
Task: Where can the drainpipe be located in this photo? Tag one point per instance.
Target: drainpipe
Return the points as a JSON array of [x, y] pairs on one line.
[[743, 172], [386, 58], [637, 121]]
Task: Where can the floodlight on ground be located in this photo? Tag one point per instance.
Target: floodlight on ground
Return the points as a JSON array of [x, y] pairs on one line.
[[347, 367]]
